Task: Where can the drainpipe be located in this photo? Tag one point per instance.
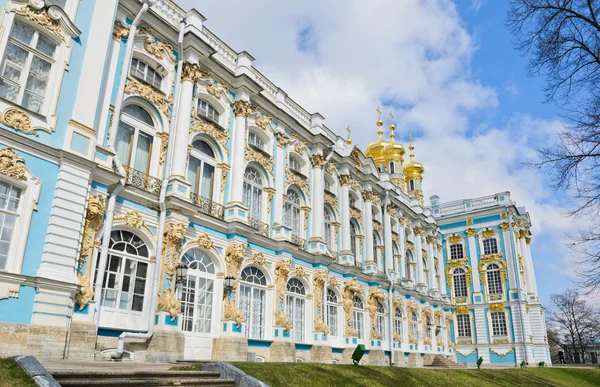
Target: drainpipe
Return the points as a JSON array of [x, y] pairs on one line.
[[161, 203], [392, 314], [112, 197], [516, 263]]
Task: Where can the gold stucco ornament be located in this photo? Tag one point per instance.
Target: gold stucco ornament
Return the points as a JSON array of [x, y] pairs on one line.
[[167, 301], [350, 289], [85, 293], [12, 164]]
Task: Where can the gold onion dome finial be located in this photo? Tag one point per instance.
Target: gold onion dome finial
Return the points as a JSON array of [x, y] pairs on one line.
[[375, 150], [379, 125], [349, 140], [392, 127], [413, 168], [394, 151]]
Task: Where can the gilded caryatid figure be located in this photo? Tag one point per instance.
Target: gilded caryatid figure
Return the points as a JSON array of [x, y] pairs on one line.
[[191, 72], [319, 283], [350, 289], [282, 270], [242, 108], [167, 301], [171, 248], [375, 297], [317, 161]]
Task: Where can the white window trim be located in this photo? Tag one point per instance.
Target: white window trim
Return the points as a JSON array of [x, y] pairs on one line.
[[222, 108], [466, 272], [46, 119], [28, 203], [204, 158], [508, 326], [471, 326], [140, 126]]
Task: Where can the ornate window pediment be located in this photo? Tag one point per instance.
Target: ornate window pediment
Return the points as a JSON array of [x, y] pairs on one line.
[[50, 16]]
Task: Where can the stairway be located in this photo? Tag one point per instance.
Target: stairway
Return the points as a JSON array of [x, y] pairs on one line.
[[139, 378], [440, 361]]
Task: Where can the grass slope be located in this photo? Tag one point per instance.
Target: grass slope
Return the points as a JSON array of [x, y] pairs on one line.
[[11, 375], [327, 375]]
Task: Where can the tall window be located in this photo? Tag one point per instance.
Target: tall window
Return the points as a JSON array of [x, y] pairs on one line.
[[252, 302], [256, 141], [414, 325], [499, 324], [295, 164], [380, 321], [124, 284], [411, 185], [328, 229], [9, 213], [135, 137], [145, 73], [494, 279], [392, 167], [201, 169], [253, 189], [426, 272], [332, 313], [327, 185], [197, 292], [295, 302], [490, 246], [375, 243], [352, 201], [358, 317], [207, 111], [407, 266], [457, 251], [28, 59], [463, 325], [292, 212], [398, 322], [459, 279], [353, 238], [429, 327]]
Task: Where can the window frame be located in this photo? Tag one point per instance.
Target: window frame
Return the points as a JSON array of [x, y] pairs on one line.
[[493, 278], [499, 328], [292, 212], [465, 320], [463, 274], [455, 253], [203, 159], [298, 335], [487, 247], [254, 287], [206, 116], [332, 305], [358, 317], [256, 193], [143, 78], [138, 127]]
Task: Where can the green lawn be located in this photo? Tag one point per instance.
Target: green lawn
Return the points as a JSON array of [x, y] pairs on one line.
[[327, 375], [11, 375]]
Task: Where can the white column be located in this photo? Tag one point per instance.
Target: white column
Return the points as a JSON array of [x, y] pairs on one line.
[[345, 252], [402, 269], [474, 263], [279, 183], [442, 272], [387, 239], [420, 275], [369, 260], [433, 283], [510, 258], [235, 209], [316, 241], [526, 262], [530, 258]]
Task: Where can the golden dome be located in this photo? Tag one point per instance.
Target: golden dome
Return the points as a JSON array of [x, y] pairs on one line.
[[393, 151], [413, 169], [376, 149]]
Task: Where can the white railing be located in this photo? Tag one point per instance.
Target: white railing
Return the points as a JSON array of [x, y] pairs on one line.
[[223, 51], [298, 112], [169, 11], [468, 205], [267, 85]]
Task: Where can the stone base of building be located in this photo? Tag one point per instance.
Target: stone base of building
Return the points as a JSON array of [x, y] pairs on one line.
[[321, 354], [415, 360], [165, 347], [283, 351], [400, 360], [230, 349], [347, 356], [376, 357], [39, 340], [82, 341], [428, 358]]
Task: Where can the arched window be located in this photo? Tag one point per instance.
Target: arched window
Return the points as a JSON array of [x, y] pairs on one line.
[[10, 196], [134, 138], [352, 200], [414, 325], [429, 328], [125, 284], [407, 265], [201, 169], [292, 211], [494, 279], [27, 65], [332, 313], [252, 301], [328, 183], [380, 321], [255, 140], [490, 246], [197, 292], [459, 280], [398, 323], [328, 229], [353, 238], [146, 73], [295, 304], [295, 165], [426, 272], [207, 111], [358, 317], [253, 189]]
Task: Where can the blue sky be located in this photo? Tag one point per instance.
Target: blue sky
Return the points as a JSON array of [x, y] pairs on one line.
[[449, 73]]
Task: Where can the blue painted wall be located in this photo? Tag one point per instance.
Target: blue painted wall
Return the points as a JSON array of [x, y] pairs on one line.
[[18, 310], [509, 358]]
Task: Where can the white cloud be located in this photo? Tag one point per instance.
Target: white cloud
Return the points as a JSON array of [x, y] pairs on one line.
[[511, 87]]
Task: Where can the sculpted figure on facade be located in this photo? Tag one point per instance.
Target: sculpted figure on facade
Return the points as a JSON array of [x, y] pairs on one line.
[[318, 284], [282, 270], [350, 289], [375, 297]]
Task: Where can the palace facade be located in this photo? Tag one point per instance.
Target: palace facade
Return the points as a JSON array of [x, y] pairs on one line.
[[161, 199]]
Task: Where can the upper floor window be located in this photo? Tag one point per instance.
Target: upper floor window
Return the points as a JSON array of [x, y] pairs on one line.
[[134, 138], [206, 110], [292, 212], [460, 283], [463, 325], [352, 201], [499, 324], [457, 251], [328, 218], [295, 164], [392, 167], [328, 186], [375, 244], [9, 214], [201, 169], [256, 141], [411, 185], [332, 312], [353, 238], [26, 66], [490, 246], [146, 73], [253, 189], [494, 279]]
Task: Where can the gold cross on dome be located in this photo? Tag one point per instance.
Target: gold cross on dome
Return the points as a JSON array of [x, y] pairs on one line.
[[410, 137], [349, 140], [391, 116], [378, 111]]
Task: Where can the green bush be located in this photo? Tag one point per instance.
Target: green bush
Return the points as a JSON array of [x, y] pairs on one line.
[[479, 362], [541, 364]]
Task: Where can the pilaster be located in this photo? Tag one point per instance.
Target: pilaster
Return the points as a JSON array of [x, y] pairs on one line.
[[421, 287], [474, 259], [369, 264], [316, 243], [345, 257]]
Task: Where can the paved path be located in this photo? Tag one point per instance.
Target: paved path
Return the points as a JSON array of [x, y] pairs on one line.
[[63, 365]]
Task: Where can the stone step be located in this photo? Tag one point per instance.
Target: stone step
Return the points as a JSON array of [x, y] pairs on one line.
[[114, 382]]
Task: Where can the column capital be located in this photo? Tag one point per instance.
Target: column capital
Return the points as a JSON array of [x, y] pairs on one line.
[[317, 161], [369, 196], [430, 239], [504, 226], [346, 179], [191, 72], [470, 232], [242, 108]]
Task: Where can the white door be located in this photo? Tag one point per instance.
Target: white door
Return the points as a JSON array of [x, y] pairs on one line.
[[197, 301]]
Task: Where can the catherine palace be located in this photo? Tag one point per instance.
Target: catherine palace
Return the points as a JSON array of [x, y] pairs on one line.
[[161, 199]]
